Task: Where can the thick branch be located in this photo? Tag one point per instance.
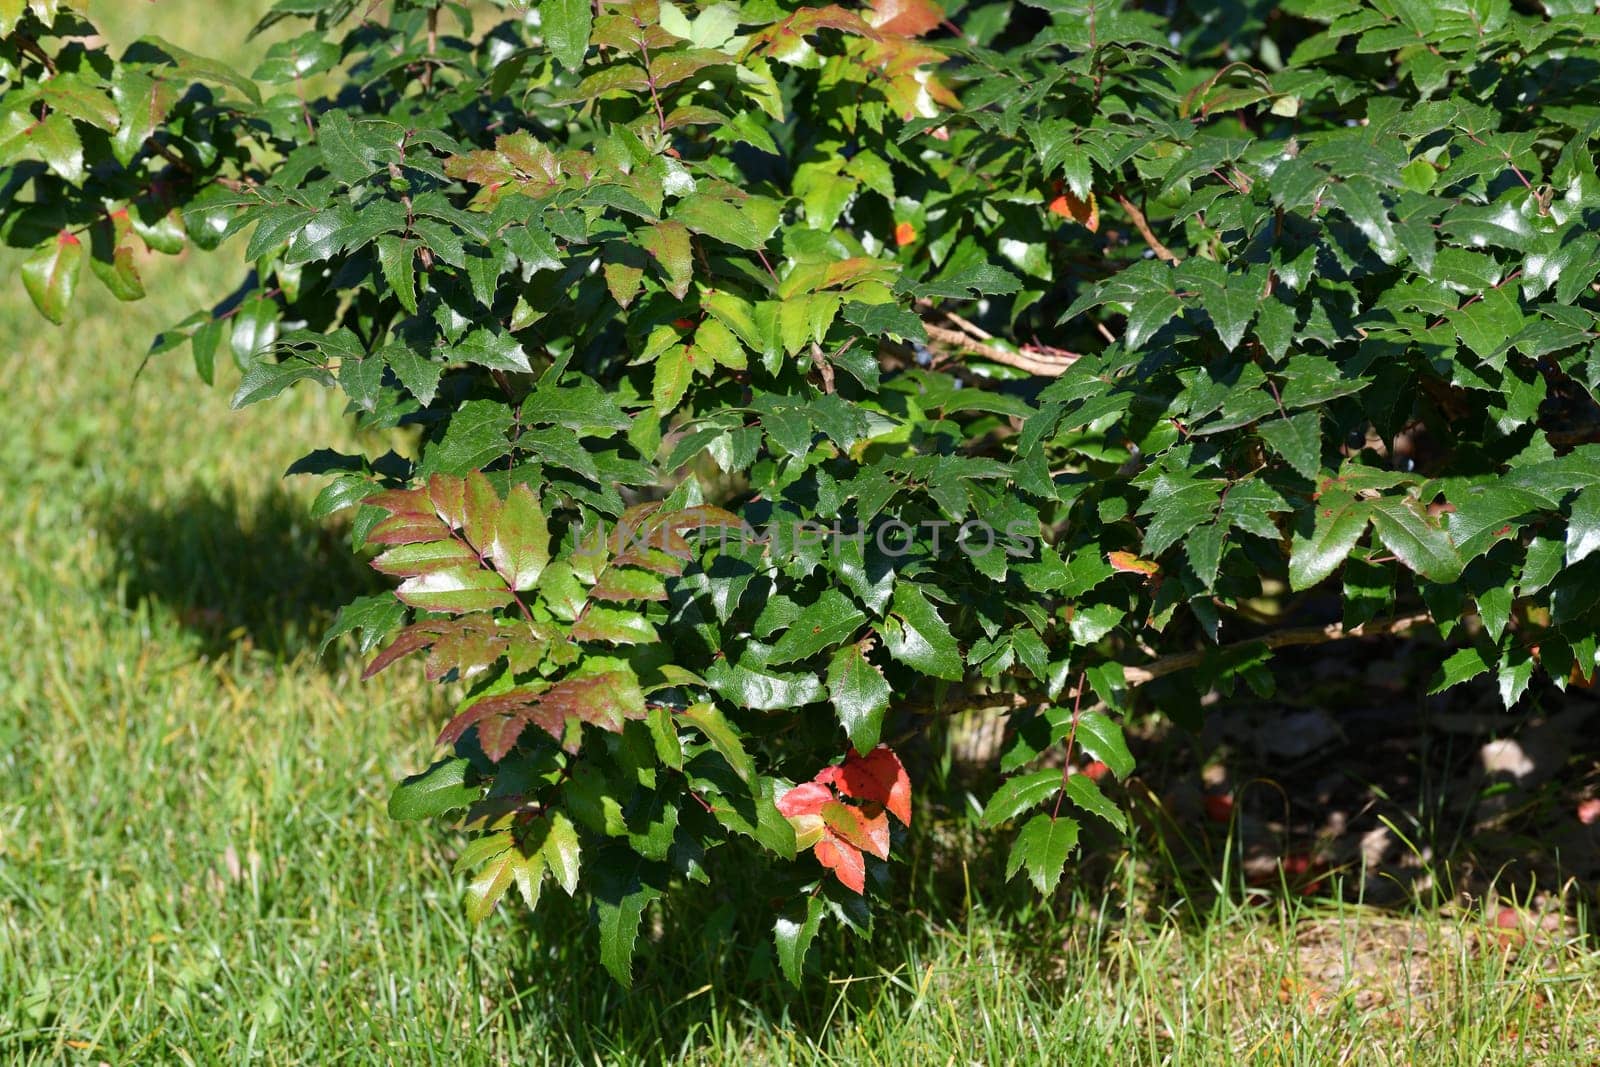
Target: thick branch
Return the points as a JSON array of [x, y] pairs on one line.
[[1300, 635], [1142, 224]]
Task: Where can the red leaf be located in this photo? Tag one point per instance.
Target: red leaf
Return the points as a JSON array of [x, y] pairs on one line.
[[848, 830], [878, 777], [844, 860], [807, 798]]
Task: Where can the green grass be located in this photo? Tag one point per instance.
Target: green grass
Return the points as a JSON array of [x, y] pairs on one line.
[[196, 867]]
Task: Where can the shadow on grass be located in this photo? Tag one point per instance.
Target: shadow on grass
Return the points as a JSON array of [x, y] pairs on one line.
[[238, 572]]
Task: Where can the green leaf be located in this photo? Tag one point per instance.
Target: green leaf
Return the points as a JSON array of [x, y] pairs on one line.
[[266, 379], [57, 143], [762, 690], [983, 279], [832, 620], [1042, 849], [1019, 793], [915, 635], [860, 695], [792, 938], [1149, 313], [709, 720], [1487, 324], [455, 591], [566, 25], [476, 436], [1298, 439], [255, 328], [561, 852], [50, 275], [623, 887], [667, 243], [671, 379], [1583, 528], [1082, 791], [1417, 541], [493, 348], [1340, 521], [347, 157], [521, 546], [578, 405], [417, 373], [207, 70], [376, 617], [884, 319], [1099, 736], [506, 865], [1462, 665], [142, 105], [446, 786], [397, 258], [111, 258], [1513, 675], [1230, 299]]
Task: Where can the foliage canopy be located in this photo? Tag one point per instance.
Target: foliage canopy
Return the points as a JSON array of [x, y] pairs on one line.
[[766, 381]]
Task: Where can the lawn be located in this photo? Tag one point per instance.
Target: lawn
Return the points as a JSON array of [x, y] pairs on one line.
[[196, 865]]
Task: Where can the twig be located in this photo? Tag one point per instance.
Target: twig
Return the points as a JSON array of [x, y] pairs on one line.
[[166, 153], [433, 46], [1300, 635], [1142, 224], [1072, 736], [971, 328], [1045, 366], [28, 44]]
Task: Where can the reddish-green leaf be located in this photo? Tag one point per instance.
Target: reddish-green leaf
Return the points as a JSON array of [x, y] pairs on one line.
[[520, 548], [51, 275], [455, 591]]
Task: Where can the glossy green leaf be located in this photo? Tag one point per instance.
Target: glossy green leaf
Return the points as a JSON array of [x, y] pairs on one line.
[[1042, 848], [448, 785], [860, 695]]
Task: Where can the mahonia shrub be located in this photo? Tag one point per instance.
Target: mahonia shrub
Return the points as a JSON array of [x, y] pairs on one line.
[[769, 380]]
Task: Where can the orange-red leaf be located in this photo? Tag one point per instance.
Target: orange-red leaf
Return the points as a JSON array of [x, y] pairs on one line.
[[909, 18], [878, 778], [1129, 563], [807, 798], [1085, 212], [844, 860]]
